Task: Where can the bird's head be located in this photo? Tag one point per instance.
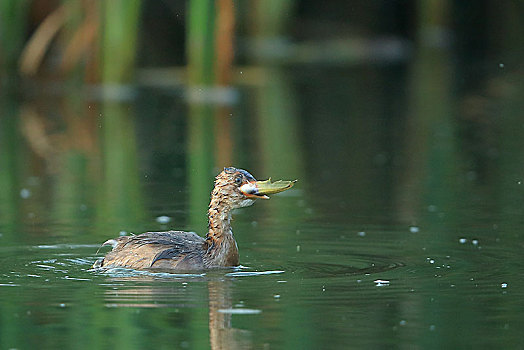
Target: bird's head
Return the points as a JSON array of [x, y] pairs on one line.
[[238, 188]]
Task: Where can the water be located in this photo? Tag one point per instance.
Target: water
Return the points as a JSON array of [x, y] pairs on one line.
[[393, 286], [402, 231]]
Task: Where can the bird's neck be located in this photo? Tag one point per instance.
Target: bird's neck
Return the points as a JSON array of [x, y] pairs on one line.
[[221, 247]]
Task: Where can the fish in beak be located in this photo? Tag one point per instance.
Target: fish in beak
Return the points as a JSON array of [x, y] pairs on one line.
[[261, 189]]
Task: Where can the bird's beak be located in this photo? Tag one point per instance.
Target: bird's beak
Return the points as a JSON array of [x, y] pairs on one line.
[[261, 189]]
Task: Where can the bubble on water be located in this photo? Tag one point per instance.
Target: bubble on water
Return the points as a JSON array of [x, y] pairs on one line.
[[504, 285], [25, 193], [122, 233], [431, 261], [432, 327], [462, 240], [276, 296], [163, 219], [298, 248], [361, 233], [432, 208], [501, 65], [414, 229], [83, 207], [475, 241], [381, 283], [402, 322]]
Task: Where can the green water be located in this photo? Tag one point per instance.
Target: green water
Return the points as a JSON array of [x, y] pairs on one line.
[[403, 231], [307, 281]]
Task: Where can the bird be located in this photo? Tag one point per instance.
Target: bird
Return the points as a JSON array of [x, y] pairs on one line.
[[186, 251]]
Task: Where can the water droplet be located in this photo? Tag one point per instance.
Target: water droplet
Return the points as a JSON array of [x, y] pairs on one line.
[[413, 229], [25, 193], [501, 65], [298, 248], [462, 240], [163, 219], [504, 285], [122, 233]]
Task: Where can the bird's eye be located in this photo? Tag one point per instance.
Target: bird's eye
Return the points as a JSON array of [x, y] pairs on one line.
[[238, 180]]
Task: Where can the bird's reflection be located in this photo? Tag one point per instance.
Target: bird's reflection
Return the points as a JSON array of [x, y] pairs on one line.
[[149, 292]]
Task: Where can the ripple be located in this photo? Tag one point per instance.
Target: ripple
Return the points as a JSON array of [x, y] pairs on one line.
[[65, 246], [120, 272], [253, 273], [240, 311], [362, 265]]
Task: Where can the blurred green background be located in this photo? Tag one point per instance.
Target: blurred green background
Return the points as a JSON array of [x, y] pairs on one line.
[[392, 114], [388, 96]]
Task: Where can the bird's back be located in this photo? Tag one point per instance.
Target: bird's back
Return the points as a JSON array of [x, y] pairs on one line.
[[176, 250]]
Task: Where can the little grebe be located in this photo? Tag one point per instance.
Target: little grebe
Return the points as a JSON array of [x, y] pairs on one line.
[[178, 250]]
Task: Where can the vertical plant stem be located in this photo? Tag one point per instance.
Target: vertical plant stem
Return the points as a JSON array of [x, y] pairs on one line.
[[201, 76], [119, 39], [225, 33], [200, 42], [13, 15]]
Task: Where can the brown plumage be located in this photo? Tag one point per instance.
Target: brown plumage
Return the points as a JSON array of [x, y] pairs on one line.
[[178, 250]]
